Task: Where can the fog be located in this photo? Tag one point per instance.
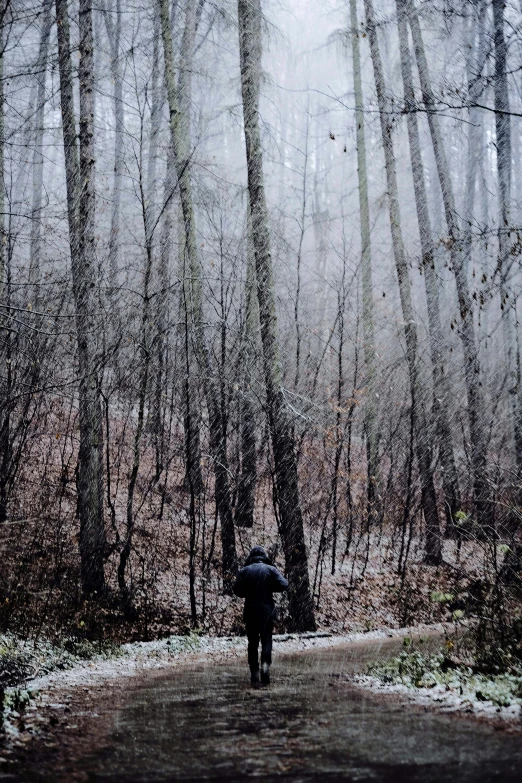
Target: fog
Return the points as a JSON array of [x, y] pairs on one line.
[[254, 287]]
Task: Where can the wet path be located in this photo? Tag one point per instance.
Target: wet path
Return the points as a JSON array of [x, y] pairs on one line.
[[206, 723]]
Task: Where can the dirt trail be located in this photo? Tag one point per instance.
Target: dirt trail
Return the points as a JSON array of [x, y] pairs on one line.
[[204, 722]]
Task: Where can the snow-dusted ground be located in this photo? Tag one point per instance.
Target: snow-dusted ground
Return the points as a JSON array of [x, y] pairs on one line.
[[447, 700], [136, 659]]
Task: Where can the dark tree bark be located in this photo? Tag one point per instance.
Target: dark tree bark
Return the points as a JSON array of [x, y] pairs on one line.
[[505, 262], [287, 488], [5, 333], [246, 492], [79, 167]]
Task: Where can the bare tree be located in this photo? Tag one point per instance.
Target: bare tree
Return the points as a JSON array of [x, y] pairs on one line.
[[5, 332], [442, 398], [114, 29], [291, 528], [418, 399], [179, 103], [507, 296], [467, 330], [246, 492], [370, 412], [79, 169], [38, 158]]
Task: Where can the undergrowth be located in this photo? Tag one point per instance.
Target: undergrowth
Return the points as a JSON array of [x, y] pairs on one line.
[[415, 669], [21, 660]]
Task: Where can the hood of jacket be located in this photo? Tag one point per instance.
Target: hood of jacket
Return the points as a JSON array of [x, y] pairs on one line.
[[258, 554]]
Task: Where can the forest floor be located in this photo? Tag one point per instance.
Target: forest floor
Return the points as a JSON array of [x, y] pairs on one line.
[[44, 701], [73, 688], [73, 714]]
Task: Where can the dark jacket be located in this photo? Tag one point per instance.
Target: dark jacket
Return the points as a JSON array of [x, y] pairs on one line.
[[256, 583]]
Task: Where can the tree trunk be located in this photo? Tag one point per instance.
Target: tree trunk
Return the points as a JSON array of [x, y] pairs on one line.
[[370, 410], [38, 159], [80, 208], [475, 64], [163, 300], [442, 401], [246, 493], [428, 495], [156, 407], [507, 299], [144, 372], [4, 8], [197, 359], [467, 331], [179, 111], [292, 533], [114, 35], [5, 345]]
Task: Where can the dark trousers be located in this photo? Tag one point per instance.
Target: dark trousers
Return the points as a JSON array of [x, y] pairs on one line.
[[256, 631]]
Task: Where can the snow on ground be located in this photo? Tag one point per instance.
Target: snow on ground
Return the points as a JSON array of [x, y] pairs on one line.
[[138, 658], [442, 699]]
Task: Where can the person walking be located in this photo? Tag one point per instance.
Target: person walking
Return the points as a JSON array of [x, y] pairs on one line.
[[257, 581]]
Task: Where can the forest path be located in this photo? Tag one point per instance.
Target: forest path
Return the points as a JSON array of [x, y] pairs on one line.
[[206, 723]]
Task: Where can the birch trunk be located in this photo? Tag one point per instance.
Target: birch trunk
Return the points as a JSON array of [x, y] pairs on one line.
[[370, 411], [179, 111], [428, 494], [467, 330], [291, 527], [80, 204], [442, 398]]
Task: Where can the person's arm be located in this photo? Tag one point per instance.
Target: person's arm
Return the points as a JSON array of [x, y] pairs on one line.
[[279, 583], [239, 587]]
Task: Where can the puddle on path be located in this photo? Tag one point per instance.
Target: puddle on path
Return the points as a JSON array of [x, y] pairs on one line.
[[206, 723]]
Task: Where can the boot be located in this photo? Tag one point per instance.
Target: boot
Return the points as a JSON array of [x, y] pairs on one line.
[[254, 680], [265, 674]]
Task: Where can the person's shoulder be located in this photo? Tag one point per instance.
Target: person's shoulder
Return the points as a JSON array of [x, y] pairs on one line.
[[257, 569]]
